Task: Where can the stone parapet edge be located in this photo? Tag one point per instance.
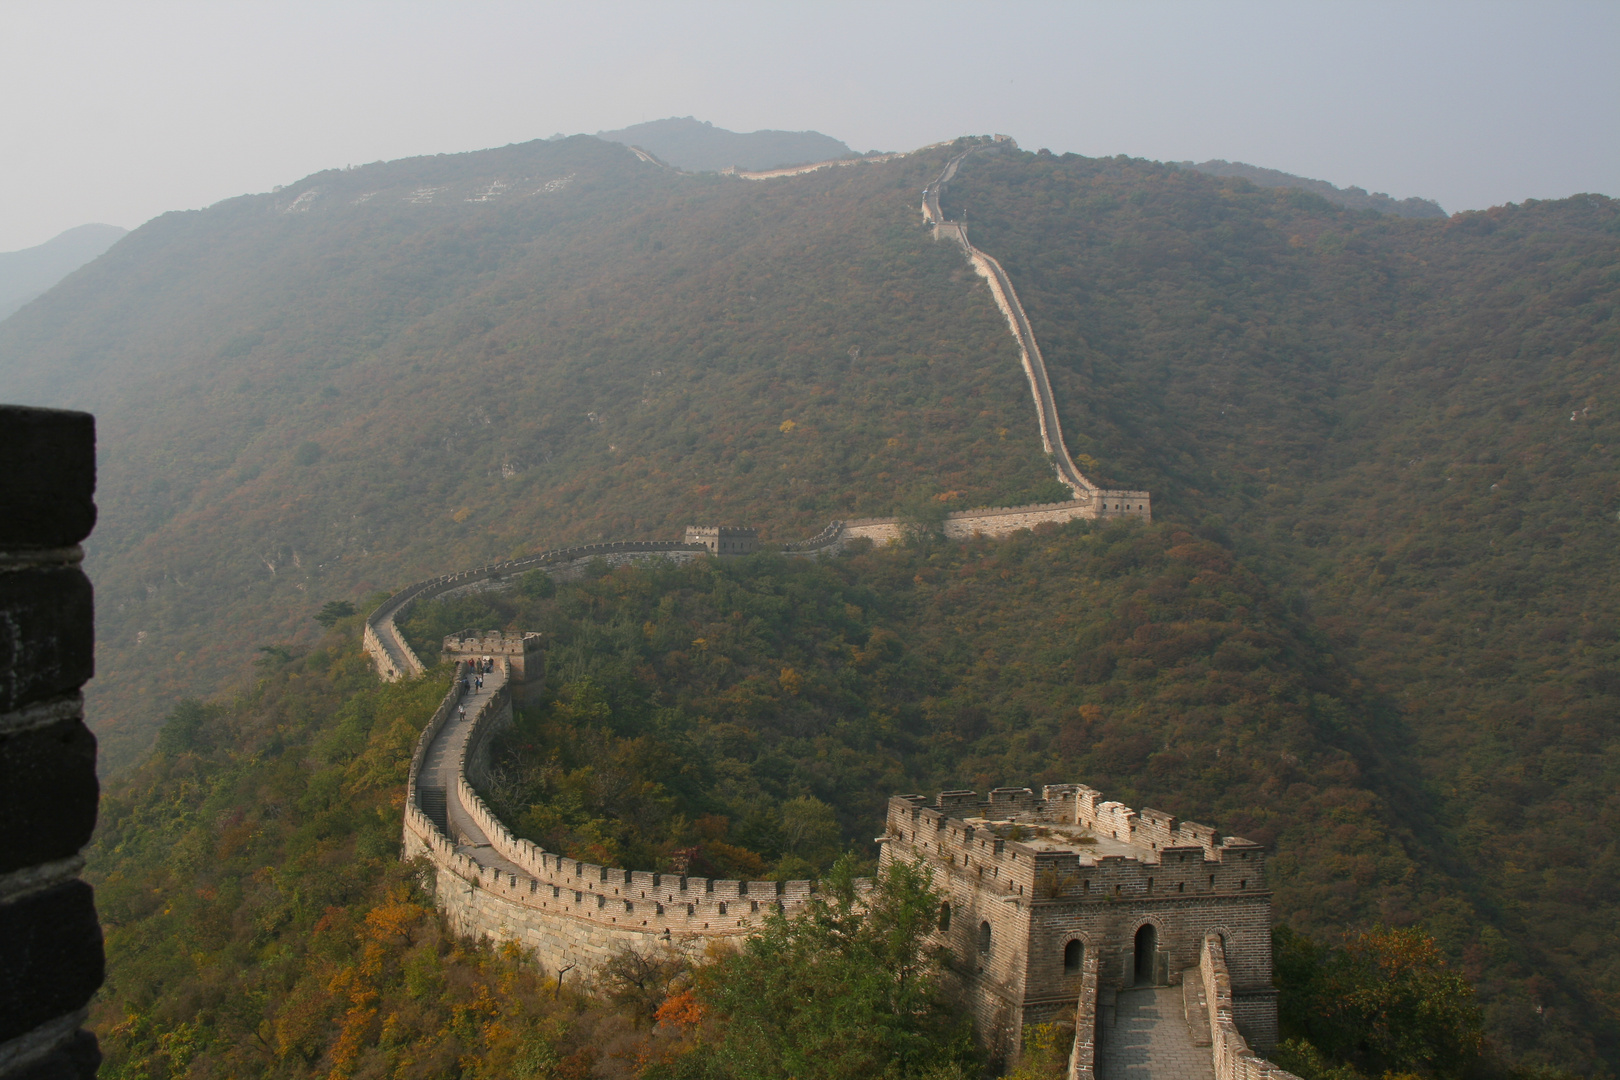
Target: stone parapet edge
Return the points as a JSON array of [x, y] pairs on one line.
[[555, 887], [1232, 1057]]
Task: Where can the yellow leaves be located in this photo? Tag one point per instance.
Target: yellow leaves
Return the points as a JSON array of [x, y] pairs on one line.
[[791, 681], [461, 515], [394, 922], [787, 426], [947, 496]]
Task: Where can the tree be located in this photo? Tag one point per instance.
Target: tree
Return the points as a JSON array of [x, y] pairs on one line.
[[332, 611], [848, 987], [1383, 1002], [922, 521]]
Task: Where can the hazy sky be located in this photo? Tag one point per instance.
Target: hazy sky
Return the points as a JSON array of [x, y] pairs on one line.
[[117, 112]]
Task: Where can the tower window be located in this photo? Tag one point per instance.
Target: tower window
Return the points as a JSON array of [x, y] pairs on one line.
[[1073, 954]]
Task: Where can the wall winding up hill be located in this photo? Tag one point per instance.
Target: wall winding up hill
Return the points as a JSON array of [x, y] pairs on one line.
[[569, 913]]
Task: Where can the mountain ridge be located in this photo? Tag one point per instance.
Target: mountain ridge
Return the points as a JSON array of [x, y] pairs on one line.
[[31, 272], [1352, 197], [1403, 427], [698, 146]]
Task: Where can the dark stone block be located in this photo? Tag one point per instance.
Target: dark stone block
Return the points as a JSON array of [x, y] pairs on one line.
[[77, 1059], [46, 634], [48, 792], [50, 956], [48, 482]]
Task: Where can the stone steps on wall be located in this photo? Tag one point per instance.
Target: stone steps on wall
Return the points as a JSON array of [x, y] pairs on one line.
[[433, 804]]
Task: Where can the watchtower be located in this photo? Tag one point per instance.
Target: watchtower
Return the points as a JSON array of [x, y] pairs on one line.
[[523, 652], [1061, 898], [724, 539]]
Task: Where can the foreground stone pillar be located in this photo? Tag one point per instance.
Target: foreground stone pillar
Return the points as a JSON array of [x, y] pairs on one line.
[[50, 939]]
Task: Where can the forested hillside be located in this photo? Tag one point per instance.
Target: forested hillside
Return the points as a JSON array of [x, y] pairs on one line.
[[1409, 427], [699, 146], [1352, 198], [1381, 582], [373, 377], [745, 716]]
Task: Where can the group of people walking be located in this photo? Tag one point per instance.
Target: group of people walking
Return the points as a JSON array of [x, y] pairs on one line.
[[473, 678]]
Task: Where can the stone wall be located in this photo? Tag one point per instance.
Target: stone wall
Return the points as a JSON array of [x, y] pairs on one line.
[[1036, 895], [393, 655], [1083, 1054], [1029, 349], [569, 914], [1233, 1058], [51, 959], [989, 521], [800, 170]]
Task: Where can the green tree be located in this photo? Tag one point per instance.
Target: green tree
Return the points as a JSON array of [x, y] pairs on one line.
[[849, 987], [922, 521], [332, 611], [1384, 1002]]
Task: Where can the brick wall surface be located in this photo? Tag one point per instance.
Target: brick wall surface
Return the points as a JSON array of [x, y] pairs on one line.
[[50, 939]]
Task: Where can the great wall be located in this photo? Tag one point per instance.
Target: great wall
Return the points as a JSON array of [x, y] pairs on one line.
[[1151, 936]]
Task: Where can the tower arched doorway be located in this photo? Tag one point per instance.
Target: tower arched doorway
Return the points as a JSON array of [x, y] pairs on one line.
[[1147, 952]]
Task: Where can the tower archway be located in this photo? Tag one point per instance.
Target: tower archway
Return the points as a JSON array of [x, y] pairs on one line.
[[1147, 951]]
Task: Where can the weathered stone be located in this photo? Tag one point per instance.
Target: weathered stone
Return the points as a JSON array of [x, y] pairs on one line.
[[48, 482], [50, 940], [46, 633], [50, 956], [78, 1058], [48, 791]]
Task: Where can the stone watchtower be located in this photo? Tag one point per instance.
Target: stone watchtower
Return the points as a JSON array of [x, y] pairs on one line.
[[724, 539], [523, 653], [1062, 900]]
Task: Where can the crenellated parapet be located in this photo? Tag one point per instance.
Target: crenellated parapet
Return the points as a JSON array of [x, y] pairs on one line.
[[394, 657], [568, 912], [1233, 1058], [1103, 503], [1068, 844], [1043, 885]]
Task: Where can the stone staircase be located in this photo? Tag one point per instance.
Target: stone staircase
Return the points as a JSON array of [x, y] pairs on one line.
[[432, 803]]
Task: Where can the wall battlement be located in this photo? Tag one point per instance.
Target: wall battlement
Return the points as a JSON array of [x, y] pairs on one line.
[[724, 539], [1023, 872], [1043, 886], [568, 912]]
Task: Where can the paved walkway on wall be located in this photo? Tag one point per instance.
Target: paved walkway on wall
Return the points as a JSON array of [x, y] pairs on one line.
[[1150, 1040], [439, 774]]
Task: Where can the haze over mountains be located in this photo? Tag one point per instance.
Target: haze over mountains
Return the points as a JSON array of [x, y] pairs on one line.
[[699, 146], [1390, 438], [28, 273], [1353, 198]]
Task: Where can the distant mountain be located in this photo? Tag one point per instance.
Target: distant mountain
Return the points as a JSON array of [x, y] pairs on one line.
[[1378, 602], [1351, 198], [699, 146], [27, 273]]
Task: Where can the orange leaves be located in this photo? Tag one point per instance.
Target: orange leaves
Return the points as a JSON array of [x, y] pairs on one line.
[[680, 1010], [791, 681]]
